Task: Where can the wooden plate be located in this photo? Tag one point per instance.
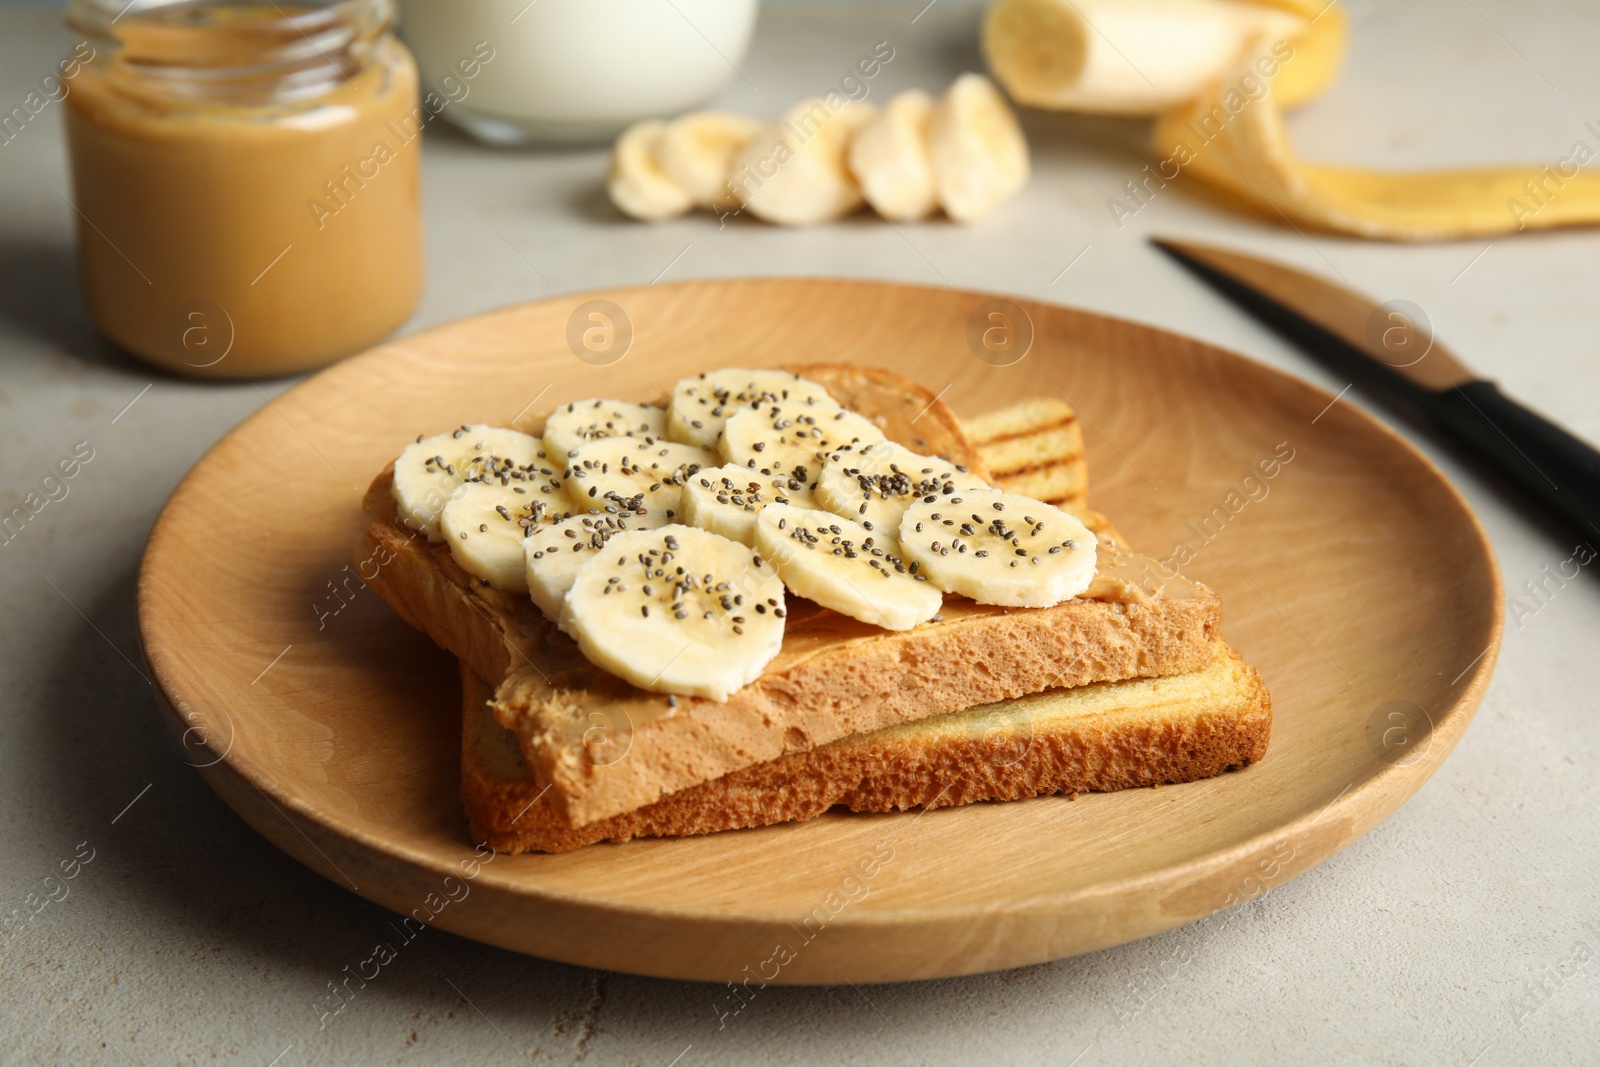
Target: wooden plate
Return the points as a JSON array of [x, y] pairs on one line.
[[1354, 578]]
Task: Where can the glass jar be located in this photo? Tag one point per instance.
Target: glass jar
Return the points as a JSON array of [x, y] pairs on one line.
[[246, 180]]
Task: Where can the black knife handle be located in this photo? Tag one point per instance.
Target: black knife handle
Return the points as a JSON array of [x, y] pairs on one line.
[[1559, 469]]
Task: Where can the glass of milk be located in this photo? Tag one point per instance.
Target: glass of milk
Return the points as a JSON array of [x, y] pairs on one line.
[[516, 72]]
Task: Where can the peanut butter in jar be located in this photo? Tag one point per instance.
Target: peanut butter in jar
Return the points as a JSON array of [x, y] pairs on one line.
[[246, 181]]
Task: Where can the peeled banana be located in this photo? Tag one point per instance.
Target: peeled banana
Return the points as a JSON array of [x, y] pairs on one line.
[[677, 610], [484, 523], [430, 469], [793, 437], [633, 472], [828, 155], [889, 158], [697, 151], [639, 184], [873, 484], [794, 172], [979, 154], [702, 405], [841, 565], [726, 500], [1120, 57], [579, 423], [553, 553], [1000, 548]]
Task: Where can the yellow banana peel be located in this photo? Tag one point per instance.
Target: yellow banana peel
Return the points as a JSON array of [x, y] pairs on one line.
[[1231, 135], [1244, 150], [1318, 51]]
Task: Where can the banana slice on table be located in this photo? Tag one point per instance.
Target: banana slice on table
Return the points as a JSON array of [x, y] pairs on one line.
[[873, 484], [553, 553], [794, 172], [484, 523], [428, 470], [578, 423], [696, 152], [889, 158], [677, 610], [726, 500], [638, 184], [702, 404], [979, 154], [844, 566], [633, 472], [792, 437], [1000, 548]]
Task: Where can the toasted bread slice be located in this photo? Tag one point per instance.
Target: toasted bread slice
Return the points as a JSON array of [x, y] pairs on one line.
[[1095, 738], [834, 677], [1034, 448]]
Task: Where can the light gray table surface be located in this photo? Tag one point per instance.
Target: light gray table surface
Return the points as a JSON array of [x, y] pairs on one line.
[[1463, 930]]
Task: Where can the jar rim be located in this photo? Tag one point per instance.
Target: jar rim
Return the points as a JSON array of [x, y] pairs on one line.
[[233, 50]]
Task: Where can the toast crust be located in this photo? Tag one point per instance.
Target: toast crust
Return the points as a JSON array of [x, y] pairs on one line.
[[1103, 737], [834, 677], [1034, 447]]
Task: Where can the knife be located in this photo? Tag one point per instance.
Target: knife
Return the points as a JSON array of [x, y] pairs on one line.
[[1390, 348]]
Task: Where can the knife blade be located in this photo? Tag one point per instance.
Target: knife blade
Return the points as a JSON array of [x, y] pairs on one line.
[[1390, 348]]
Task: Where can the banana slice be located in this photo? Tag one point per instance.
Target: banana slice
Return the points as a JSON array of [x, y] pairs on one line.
[[553, 553], [978, 152], [677, 610], [634, 472], [873, 484], [484, 523], [572, 425], [701, 405], [697, 149], [792, 437], [794, 172], [1000, 548], [428, 470], [639, 185], [726, 500], [842, 565], [889, 158]]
